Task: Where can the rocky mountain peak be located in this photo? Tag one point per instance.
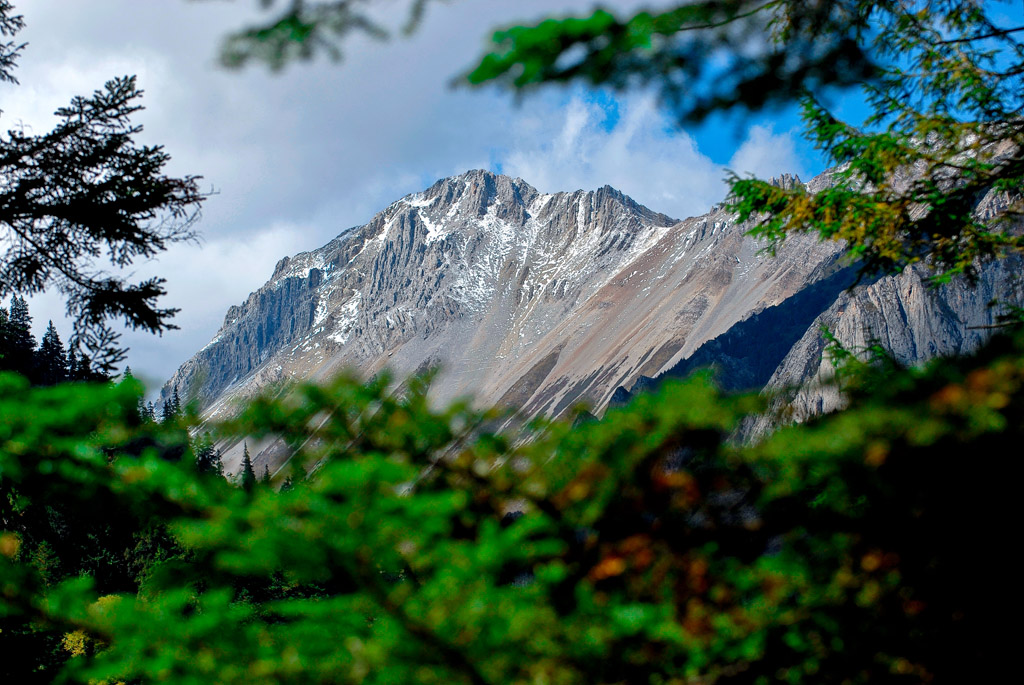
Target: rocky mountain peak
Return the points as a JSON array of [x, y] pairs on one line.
[[786, 181], [538, 301], [473, 193], [476, 255]]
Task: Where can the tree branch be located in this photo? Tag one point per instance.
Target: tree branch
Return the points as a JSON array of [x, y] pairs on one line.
[[999, 33]]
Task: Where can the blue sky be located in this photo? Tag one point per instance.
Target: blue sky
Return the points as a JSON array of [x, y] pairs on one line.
[[298, 157]]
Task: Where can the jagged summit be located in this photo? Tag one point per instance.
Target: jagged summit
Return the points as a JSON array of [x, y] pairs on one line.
[[785, 181], [481, 188]]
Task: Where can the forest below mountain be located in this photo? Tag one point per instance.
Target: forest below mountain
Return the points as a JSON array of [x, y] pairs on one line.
[[413, 543]]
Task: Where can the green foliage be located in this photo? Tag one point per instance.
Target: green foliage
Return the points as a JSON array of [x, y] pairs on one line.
[[818, 46], [62, 517], [868, 546], [648, 549]]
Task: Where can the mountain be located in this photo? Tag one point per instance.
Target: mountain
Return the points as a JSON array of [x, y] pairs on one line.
[[911, 319], [536, 301]]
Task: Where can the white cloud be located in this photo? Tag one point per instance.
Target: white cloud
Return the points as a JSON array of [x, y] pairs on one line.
[[203, 280], [47, 84], [642, 154], [766, 154]]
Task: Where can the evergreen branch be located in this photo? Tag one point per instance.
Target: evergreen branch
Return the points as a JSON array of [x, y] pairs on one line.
[[999, 33]]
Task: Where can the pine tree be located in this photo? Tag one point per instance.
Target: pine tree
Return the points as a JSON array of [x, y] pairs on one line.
[[74, 366], [141, 405], [51, 361], [248, 474], [208, 457], [21, 343], [4, 339], [149, 412], [83, 371], [80, 369], [265, 480], [171, 407]]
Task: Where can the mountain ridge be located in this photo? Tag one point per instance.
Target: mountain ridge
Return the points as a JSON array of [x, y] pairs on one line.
[[472, 193], [533, 300]]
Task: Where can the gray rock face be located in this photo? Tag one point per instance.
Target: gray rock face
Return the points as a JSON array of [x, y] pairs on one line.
[[908, 317], [540, 301]]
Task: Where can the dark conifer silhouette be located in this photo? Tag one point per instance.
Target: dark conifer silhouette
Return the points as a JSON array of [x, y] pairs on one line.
[[21, 345], [86, 190], [83, 371], [4, 339], [208, 457], [248, 480], [73, 365], [51, 361], [171, 409]]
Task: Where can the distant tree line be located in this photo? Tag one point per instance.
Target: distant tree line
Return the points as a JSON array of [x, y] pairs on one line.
[[47, 362]]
